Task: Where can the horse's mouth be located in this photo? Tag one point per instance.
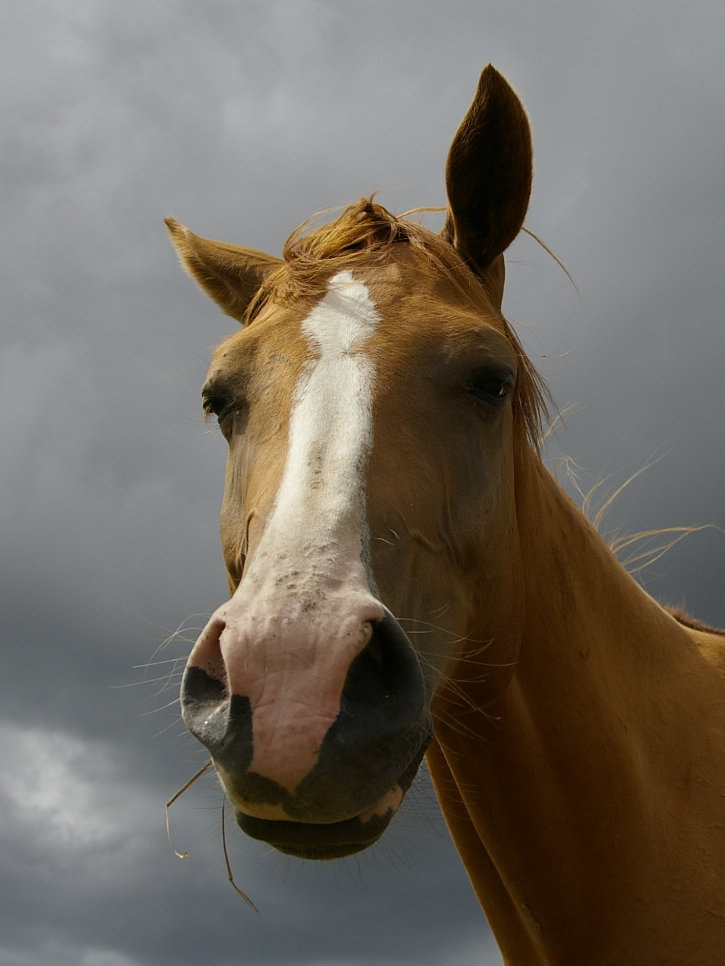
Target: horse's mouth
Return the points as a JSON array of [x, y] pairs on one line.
[[306, 841], [331, 840]]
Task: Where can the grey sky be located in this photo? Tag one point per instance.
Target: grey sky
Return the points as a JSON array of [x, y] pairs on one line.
[[241, 119]]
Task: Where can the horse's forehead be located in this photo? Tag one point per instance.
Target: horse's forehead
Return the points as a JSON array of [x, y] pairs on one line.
[[275, 337], [418, 308], [408, 280]]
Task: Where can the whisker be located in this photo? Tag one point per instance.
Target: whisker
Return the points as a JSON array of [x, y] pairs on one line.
[[161, 679], [164, 707], [162, 731], [186, 787], [181, 633], [168, 660], [230, 874]]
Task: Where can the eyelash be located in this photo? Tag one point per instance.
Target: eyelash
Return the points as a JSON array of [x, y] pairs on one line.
[[493, 390], [218, 406]]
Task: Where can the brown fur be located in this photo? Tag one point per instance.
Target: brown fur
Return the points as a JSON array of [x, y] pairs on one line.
[[366, 233], [682, 617]]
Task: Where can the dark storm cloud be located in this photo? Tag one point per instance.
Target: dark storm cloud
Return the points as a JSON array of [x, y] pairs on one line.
[[242, 119]]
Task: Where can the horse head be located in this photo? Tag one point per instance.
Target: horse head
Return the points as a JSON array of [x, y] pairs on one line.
[[375, 403]]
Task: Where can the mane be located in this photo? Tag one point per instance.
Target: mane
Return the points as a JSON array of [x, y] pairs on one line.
[[684, 618], [365, 232]]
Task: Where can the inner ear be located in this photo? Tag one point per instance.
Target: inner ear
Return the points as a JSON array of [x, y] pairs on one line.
[[489, 174], [229, 274]]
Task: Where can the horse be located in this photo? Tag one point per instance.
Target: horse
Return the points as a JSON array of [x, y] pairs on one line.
[[406, 578]]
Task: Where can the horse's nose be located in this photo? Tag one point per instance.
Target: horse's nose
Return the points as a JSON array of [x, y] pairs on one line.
[[384, 685], [286, 749]]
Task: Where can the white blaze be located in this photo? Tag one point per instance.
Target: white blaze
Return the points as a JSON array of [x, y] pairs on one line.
[[304, 608], [320, 499]]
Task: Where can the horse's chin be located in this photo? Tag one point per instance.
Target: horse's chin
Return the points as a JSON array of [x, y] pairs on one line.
[[329, 840]]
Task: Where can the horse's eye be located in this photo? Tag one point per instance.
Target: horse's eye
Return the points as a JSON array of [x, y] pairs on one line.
[[217, 404], [490, 388]]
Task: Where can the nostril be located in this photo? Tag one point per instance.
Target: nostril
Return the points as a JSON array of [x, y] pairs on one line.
[[221, 721], [201, 696], [204, 693], [207, 652], [386, 673], [374, 649]]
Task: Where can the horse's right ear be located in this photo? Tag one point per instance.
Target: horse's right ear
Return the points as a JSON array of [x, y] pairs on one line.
[[229, 274], [488, 177]]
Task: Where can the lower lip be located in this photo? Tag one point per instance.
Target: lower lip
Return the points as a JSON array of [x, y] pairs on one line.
[[333, 840]]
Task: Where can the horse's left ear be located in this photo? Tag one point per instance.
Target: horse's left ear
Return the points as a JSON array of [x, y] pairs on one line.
[[488, 178], [229, 274]]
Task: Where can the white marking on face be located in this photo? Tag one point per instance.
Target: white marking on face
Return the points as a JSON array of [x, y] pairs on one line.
[[305, 608], [320, 500]]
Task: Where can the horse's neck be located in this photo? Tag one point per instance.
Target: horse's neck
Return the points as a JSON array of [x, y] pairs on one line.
[[597, 639], [566, 794]]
